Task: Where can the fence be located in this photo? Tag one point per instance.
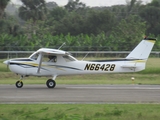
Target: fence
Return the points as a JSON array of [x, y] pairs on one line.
[[116, 54]]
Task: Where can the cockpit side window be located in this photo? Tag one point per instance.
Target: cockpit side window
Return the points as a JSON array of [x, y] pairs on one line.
[[52, 58], [68, 58]]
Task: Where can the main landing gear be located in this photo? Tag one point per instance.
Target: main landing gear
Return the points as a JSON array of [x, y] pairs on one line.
[[50, 82], [19, 84]]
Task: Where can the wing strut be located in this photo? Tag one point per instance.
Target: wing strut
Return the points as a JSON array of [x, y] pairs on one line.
[[40, 63]]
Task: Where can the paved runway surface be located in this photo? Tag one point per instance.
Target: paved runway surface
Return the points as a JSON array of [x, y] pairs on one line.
[[80, 94]]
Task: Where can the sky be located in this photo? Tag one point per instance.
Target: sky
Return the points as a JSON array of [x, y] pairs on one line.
[[90, 3]]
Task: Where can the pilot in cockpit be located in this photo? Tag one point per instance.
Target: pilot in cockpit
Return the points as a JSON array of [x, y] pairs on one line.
[[52, 58]]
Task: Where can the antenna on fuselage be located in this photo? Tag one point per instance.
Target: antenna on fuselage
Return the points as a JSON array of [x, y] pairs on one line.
[[85, 56], [61, 45]]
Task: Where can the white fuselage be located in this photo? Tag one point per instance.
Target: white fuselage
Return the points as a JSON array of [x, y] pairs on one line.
[[28, 66]]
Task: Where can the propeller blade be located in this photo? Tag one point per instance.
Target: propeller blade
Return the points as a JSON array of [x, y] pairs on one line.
[[7, 62]]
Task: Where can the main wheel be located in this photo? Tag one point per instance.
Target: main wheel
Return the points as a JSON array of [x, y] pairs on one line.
[[19, 84], [50, 83]]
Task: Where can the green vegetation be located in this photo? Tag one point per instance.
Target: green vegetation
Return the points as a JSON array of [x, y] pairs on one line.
[[81, 27], [80, 112]]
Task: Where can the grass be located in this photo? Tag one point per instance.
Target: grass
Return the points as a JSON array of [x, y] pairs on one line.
[[80, 112]]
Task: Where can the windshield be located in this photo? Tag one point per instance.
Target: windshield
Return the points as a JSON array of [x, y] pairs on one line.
[[34, 56]]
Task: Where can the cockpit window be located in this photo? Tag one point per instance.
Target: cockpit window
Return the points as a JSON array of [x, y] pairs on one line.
[[52, 58], [49, 58], [68, 58], [35, 56]]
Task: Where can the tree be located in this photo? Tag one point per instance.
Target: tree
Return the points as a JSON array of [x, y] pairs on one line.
[[122, 11], [133, 6], [55, 18], [57, 13], [71, 23], [33, 10], [51, 5], [74, 5], [3, 4], [127, 33], [9, 25], [151, 14], [99, 21]]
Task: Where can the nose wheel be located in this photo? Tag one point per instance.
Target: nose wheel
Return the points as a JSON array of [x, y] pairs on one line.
[[50, 83], [19, 84]]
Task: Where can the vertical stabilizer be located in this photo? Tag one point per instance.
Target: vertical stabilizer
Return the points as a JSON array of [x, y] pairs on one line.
[[142, 50]]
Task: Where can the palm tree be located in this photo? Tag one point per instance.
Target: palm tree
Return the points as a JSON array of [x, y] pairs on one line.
[[3, 4]]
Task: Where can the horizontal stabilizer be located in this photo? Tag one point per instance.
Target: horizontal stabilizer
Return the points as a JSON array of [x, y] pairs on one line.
[[128, 66]]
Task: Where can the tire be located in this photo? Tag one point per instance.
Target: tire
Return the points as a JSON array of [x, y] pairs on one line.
[[19, 84], [50, 83]]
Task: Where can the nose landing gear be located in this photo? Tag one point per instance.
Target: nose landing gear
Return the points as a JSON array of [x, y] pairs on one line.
[[19, 83]]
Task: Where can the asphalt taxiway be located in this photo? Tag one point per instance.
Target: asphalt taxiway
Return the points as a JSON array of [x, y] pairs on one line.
[[80, 94]]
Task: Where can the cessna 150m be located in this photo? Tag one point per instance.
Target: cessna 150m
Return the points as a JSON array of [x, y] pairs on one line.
[[55, 62]]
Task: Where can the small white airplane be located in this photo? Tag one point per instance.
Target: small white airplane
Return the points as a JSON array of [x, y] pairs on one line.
[[55, 62]]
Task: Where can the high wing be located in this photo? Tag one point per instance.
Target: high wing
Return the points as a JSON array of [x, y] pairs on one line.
[[52, 51]]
